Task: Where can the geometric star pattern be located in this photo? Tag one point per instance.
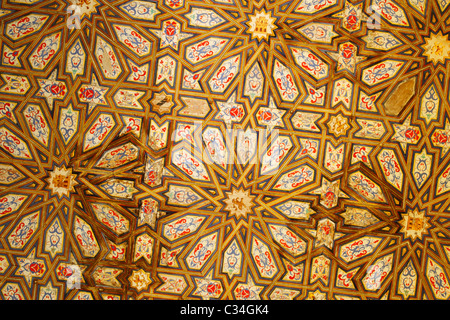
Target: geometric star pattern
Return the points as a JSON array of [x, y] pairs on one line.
[[224, 149]]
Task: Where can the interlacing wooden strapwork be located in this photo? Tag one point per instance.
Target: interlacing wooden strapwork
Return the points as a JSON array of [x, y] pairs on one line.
[[224, 149]]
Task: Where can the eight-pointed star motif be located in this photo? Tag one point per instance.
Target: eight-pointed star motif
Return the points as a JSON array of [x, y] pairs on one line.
[[51, 89]]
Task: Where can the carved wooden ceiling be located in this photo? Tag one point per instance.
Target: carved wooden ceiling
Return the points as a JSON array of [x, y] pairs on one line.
[[224, 149]]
